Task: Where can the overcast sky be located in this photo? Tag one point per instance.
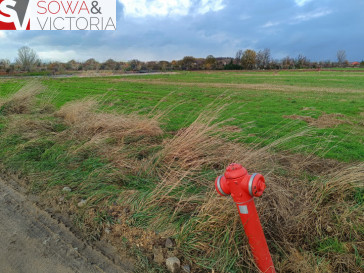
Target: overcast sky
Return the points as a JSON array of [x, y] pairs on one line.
[[171, 29]]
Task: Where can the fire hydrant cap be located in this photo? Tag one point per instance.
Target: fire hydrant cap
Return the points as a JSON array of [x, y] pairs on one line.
[[235, 171]]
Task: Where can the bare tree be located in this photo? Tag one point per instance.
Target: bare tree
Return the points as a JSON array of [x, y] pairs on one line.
[[4, 64], [238, 56], [341, 57], [302, 62], [27, 58], [288, 63], [263, 58]]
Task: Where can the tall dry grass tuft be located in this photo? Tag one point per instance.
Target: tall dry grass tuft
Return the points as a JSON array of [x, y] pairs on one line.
[[330, 207], [28, 128], [181, 160], [23, 101], [205, 145], [340, 185], [191, 149], [110, 133], [83, 116], [76, 112]]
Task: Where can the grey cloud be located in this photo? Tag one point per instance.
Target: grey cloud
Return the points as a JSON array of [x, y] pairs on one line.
[[317, 29]]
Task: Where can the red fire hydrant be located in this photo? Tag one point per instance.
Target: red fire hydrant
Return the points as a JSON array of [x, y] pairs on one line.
[[243, 188]]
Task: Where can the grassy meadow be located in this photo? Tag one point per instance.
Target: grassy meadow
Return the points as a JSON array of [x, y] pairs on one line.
[[143, 152]]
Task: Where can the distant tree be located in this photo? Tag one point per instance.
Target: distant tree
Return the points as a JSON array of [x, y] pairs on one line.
[[153, 65], [188, 63], [110, 64], [143, 67], [275, 64], [341, 57], [176, 65], [199, 64], [91, 64], [4, 64], [238, 56], [248, 60], [362, 63], [288, 63], [210, 62], [232, 65], [315, 65], [135, 65], [326, 64], [118, 66], [263, 59], [27, 58], [56, 66], [302, 62], [165, 65], [72, 65]]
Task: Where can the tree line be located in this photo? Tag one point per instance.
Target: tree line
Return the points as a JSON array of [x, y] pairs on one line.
[[28, 61]]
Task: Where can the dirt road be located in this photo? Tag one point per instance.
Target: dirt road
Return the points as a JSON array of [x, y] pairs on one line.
[[31, 241]]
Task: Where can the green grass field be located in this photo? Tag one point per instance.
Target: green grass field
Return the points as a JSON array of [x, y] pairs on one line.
[[303, 130], [257, 101]]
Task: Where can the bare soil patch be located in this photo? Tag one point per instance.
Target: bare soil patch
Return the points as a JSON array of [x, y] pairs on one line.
[[32, 241]]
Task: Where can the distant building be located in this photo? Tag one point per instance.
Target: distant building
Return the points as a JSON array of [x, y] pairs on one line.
[[223, 60], [355, 64]]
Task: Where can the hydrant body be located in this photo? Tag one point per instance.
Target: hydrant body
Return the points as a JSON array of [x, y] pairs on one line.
[[243, 188]]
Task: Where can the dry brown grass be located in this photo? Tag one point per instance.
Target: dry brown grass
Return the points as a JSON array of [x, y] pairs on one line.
[[27, 127], [83, 116], [192, 148], [109, 133], [295, 212], [304, 263], [22, 101], [294, 215], [324, 121]]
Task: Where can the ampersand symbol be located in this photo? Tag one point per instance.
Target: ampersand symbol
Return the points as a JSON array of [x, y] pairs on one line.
[[95, 9]]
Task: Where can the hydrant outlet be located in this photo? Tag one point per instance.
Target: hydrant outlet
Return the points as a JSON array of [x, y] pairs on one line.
[[221, 186], [257, 185]]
